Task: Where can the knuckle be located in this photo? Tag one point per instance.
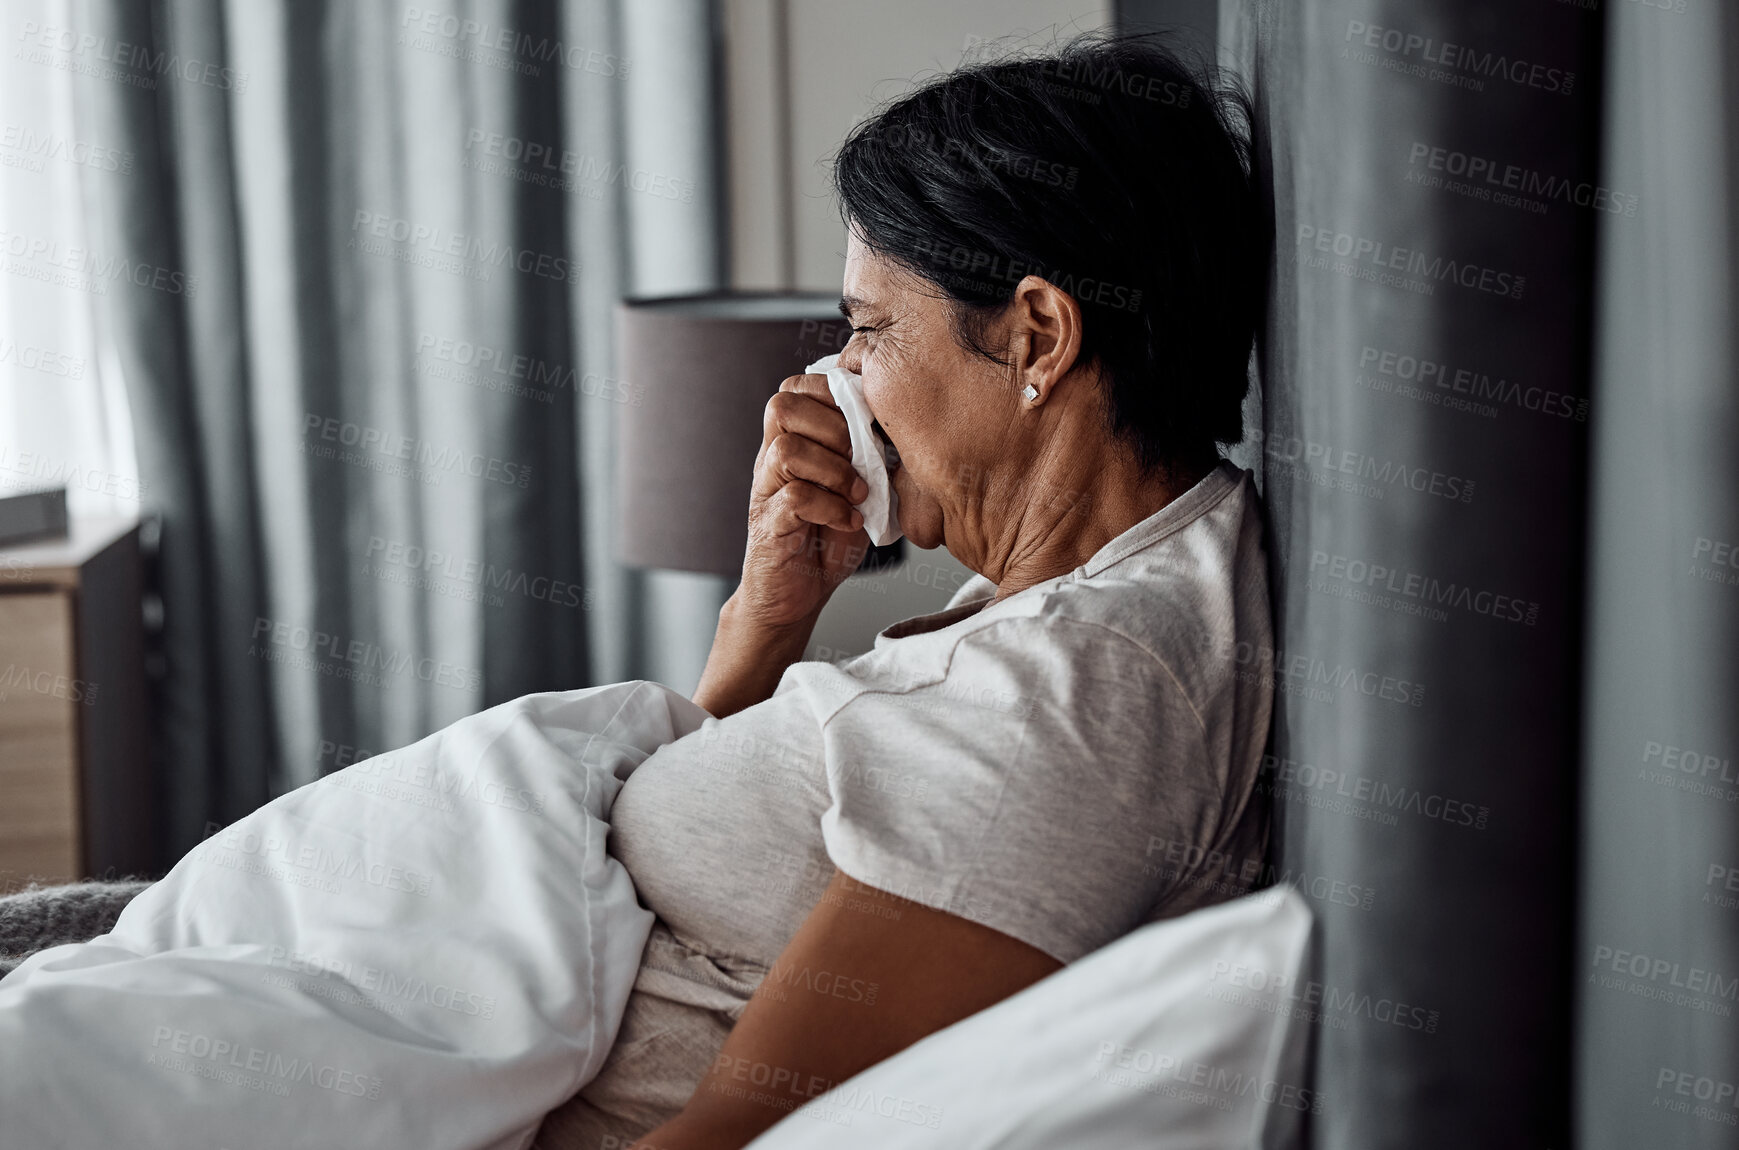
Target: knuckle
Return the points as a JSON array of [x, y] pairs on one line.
[[773, 417], [778, 451]]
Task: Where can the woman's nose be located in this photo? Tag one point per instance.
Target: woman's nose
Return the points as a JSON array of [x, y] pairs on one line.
[[851, 355]]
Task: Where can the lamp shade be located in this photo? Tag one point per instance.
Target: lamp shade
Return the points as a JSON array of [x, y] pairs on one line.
[[701, 369]]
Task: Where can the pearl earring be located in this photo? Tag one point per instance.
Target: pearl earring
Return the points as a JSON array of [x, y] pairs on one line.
[[1031, 393]]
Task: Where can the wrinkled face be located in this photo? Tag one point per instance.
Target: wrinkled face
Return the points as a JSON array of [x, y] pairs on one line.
[[948, 412]]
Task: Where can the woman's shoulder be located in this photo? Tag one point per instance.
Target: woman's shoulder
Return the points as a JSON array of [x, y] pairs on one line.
[[1182, 590], [1187, 606], [1175, 586]]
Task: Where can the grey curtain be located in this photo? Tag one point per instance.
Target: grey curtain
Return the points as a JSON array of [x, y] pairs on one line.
[[377, 404], [1656, 966], [1497, 227]]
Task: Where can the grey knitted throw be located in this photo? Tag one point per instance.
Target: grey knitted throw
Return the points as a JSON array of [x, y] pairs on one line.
[[39, 917]]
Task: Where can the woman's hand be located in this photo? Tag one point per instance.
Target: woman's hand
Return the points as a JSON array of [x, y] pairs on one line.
[[805, 536]]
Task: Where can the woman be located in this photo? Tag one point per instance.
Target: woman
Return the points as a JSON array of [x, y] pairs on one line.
[[1052, 274]]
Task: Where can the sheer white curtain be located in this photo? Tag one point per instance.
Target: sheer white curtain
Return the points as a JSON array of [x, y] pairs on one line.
[[63, 406], [661, 117], [282, 147]]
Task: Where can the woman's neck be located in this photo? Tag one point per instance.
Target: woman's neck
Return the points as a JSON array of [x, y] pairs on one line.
[[1058, 533]]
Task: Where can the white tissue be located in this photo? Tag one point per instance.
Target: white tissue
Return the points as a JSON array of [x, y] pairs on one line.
[[881, 507]]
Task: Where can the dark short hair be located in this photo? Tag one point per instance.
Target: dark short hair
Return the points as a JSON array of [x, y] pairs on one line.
[[1109, 167]]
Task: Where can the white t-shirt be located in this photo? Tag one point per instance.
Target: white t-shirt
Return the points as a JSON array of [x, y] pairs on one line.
[[1062, 766]]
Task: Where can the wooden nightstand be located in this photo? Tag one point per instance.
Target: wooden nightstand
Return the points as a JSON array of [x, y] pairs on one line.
[[76, 800]]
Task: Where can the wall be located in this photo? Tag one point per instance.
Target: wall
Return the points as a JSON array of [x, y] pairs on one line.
[[1193, 24]]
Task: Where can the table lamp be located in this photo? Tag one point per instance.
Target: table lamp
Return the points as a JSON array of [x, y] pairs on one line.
[[700, 369]]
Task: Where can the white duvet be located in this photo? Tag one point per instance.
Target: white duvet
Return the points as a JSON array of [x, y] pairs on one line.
[[426, 949]]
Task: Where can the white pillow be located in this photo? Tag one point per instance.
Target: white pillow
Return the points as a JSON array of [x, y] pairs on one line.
[[1181, 1034]]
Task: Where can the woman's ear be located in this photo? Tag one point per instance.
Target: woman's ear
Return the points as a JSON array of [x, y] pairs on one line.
[[1045, 337]]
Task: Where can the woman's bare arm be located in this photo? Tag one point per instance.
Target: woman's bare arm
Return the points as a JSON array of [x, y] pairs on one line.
[[815, 1021], [747, 658]]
